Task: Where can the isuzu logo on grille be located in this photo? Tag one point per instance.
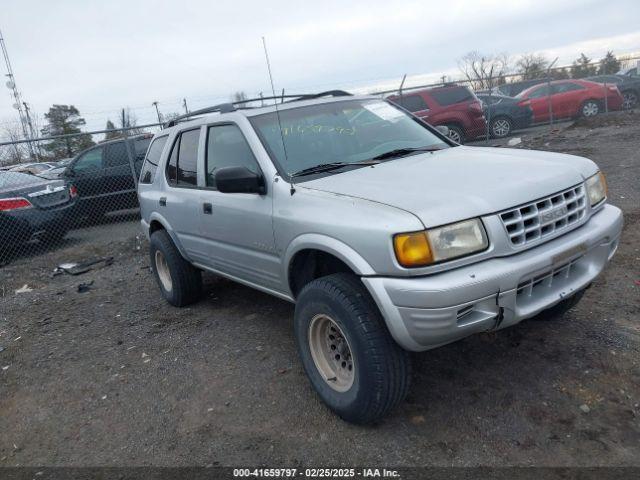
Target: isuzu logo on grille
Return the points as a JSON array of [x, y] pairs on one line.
[[554, 214]]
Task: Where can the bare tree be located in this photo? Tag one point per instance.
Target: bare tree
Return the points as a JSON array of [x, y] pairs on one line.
[[532, 66], [239, 96], [16, 153], [484, 71]]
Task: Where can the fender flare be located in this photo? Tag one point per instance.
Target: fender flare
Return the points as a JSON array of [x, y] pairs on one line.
[[327, 244], [156, 217]]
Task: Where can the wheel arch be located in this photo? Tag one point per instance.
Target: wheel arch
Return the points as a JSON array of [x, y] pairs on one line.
[[158, 222], [304, 252]]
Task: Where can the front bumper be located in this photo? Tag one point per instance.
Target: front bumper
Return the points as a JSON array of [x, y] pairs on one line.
[[426, 312]]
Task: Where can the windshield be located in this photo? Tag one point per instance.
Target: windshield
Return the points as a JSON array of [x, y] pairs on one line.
[[351, 131]]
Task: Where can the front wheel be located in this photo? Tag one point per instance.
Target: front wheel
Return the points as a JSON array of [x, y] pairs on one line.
[[630, 100], [456, 134], [590, 108], [346, 350], [500, 127]]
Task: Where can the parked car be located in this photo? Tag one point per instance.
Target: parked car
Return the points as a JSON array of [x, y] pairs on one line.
[[629, 87], [106, 175], [33, 208], [388, 236], [505, 114], [453, 106], [631, 72], [570, 99], [54, 173]]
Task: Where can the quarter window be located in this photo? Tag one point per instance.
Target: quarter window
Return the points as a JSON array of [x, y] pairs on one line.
[[151, 161], [227, 147]]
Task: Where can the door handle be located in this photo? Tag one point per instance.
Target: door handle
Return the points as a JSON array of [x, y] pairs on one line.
[[207, 208], [163, 201]]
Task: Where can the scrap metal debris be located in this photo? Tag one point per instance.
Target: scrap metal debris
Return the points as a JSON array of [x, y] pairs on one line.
[[24, 289], [84, 267], [85, 287]]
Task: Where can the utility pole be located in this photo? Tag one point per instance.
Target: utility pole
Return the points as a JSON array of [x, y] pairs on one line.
[[184, 104], [32, 130], [155, 104], [11, 85], [549, 92]]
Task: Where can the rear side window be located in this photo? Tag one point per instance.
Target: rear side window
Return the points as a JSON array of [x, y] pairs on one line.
[[182, 166], [566, 87], [413, 103], [116, 155], [151, 162], [449, 96], [227, 147]]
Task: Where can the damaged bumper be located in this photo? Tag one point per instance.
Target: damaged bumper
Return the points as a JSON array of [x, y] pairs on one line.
[[426, 312]]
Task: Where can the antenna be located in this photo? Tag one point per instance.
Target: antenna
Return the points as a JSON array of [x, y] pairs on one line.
[[275, 103]]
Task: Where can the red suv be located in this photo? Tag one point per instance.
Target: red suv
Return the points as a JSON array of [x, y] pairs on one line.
[[570, 98], [453, 106]]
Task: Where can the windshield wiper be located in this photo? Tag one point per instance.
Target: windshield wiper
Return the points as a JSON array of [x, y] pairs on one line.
[[327, 167], [401, 152]]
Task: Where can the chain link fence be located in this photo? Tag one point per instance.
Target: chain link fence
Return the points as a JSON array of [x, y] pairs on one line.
[[43, 202]]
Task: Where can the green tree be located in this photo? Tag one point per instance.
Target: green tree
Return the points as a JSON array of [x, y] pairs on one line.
[[582, 67], [532, 66], [609, 64], [65, 120], [112, 133], [560, 73]]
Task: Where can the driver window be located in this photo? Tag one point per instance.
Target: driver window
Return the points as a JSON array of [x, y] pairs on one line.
[[227, 147], [92, 160]]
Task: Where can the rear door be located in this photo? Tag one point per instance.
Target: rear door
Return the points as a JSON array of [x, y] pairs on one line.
[[566, 98], [182, 204], [119, 183], [87, 174]]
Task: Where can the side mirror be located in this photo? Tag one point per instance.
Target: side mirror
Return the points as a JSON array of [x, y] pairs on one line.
[[239, 180], [444, 130]]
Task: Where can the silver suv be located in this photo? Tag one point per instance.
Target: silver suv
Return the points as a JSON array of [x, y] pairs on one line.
[[388, 236]]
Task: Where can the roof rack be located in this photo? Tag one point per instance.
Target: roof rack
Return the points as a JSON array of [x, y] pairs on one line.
[[233, 106]]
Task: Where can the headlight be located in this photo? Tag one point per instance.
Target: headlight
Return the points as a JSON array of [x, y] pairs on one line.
[[418, 249], [596, 188]]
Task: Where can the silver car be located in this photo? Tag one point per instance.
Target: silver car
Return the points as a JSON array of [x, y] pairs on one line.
[[388, 236]]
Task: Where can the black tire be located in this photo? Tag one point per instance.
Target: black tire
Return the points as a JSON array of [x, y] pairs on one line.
[[185, 279], [456, 133], [381, 368], [500, 127], [630, 99], [590, 109], [558, 311]]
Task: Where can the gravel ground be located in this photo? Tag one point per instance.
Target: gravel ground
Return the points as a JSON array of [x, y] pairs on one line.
[[114, 376]]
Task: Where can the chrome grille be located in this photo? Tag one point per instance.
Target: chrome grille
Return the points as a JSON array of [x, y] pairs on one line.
[[539, 219]]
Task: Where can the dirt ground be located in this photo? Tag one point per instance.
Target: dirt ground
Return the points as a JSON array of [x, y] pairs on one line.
[[115, 376]]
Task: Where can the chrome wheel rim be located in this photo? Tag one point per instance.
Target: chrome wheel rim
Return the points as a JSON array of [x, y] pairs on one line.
[[501, 127], [590, 109], [455, 136], [331, 353], [163, 271], [630, 100]]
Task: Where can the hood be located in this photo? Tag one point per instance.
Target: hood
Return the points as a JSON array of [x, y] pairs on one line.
[[461, 182]]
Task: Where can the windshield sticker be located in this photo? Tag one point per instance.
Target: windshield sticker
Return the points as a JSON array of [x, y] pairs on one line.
[[384, 111]]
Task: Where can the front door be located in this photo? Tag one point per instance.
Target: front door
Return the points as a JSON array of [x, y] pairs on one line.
[[237, 226]]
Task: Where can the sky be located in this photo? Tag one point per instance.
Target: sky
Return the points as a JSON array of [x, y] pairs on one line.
[[103, 56]]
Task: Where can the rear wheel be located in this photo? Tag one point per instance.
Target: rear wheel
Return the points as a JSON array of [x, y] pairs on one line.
[[456, 134], [630, 100], [500, 127], [590, 108], [180, 282], [355, 366]]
